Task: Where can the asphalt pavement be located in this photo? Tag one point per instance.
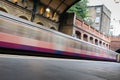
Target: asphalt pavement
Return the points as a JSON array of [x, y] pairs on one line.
[[14, 67]]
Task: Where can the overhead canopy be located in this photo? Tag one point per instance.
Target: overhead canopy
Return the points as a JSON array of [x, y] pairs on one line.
[[59, 6]]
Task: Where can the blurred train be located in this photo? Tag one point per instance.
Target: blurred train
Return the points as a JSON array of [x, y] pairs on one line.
[[20, 34]]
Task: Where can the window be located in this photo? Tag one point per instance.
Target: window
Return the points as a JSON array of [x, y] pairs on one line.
[[97, 28], [52, 28], [98, 10], [40, 23], [97, 20], [23, 17]]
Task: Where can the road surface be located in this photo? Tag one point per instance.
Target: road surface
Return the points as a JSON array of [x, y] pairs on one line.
[[14, 67]]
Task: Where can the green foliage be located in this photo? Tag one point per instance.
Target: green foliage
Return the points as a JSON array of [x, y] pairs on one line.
[[80, 9], [89, 21]]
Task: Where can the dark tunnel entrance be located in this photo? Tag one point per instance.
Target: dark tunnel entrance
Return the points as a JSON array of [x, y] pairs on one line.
[[118, 51]]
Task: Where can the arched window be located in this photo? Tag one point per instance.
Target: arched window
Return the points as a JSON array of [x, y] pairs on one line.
[[41, 9], [100, 43], [96, 41], [107, 45], [103, 44], [53, 28], [23, 17], [40, 23], [3, 10], [91, 39], [78, 34], [85, 37]]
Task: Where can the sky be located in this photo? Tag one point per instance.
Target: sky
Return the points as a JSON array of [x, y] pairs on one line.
[[115, 12]]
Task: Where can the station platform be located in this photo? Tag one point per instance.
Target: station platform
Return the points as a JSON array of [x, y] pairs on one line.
[[16, 67]]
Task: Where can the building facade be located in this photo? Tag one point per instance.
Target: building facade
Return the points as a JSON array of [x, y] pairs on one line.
[[67, 24], [24, 11], [115, 43], [100, 16], [77, 28]]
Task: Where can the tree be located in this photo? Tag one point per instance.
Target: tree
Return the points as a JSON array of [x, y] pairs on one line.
[[80, 9]]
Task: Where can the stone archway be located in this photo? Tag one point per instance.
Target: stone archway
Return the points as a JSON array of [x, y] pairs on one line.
[[96, 41], [78, 34], [100, 43], [118, 50], [91, 40], [85, 37], [3, 10]]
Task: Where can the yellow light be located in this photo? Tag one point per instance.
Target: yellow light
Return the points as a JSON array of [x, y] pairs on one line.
[[47, 9], [48, 14], [15, 1], [41, 10], [54, 16]]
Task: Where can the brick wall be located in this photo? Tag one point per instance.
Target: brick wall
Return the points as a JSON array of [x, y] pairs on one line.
[[18, 11]]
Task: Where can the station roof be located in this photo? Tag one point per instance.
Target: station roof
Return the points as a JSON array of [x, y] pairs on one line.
[[59, 6]]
